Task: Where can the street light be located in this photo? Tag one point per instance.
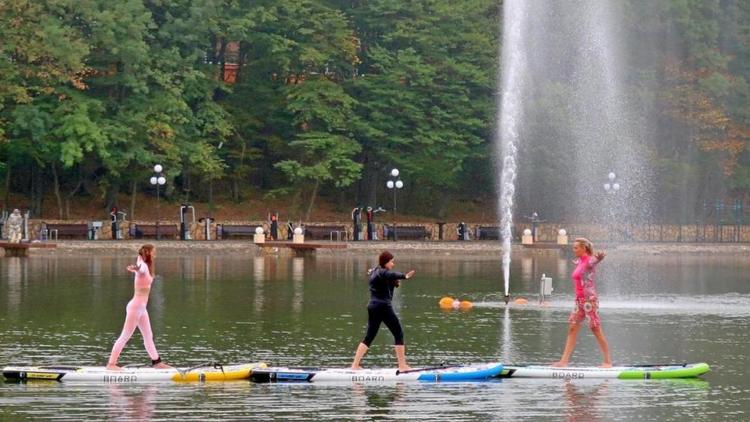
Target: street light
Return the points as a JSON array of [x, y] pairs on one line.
[[159, 180], [395, 185], [611, 186]]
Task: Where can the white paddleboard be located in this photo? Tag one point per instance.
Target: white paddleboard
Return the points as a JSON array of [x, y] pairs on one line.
[[130, 375], [441, 373], [685, 370]]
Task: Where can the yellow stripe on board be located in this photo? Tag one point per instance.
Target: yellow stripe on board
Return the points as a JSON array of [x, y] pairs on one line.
[[241, 373], [42, 375]]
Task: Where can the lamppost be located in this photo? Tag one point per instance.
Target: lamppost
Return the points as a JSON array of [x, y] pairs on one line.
[[394, 184], [611, 187], [158, 179]]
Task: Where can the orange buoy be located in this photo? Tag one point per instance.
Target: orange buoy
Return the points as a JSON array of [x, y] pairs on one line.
[[521, 301], [465, 304], [446, 302]]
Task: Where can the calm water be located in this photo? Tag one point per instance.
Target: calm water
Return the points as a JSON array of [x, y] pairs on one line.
[[292, 311]]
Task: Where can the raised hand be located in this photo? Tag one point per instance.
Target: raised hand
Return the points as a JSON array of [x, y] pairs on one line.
[[600, 256], [133, 268], [410, 274]]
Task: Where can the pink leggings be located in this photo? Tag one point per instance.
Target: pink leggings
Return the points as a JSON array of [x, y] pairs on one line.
[[137, 316]]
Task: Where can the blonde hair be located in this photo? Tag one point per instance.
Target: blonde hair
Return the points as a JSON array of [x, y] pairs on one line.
[[586, 244]]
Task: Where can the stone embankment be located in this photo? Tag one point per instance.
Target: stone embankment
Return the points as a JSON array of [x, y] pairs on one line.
[[474, 248]]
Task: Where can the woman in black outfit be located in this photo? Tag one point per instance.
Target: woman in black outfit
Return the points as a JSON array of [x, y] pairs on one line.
[[382, 282]]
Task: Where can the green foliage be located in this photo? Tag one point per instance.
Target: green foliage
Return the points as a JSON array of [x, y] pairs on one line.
[[328, 95]]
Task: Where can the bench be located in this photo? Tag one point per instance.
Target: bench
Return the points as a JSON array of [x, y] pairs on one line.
[[224, 231], [487, 233], [67, 231], [139, 231], [325, 232], [407, 232]]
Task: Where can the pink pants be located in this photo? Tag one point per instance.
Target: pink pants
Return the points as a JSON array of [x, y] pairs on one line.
[[137, 316]]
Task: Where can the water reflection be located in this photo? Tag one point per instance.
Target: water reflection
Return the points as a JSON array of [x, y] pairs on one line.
[[583, 401], [298, 278], [259, 276], [15, 267], [527, 268], [377, 401], [506, 347], [131, 402], [562, 268], [207, 267], [186, 268]]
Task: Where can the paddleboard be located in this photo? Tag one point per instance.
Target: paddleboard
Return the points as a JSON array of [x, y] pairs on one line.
[[130, 375], [441, 373], [686, 370]]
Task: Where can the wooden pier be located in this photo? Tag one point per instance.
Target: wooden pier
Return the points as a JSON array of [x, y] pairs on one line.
[[299, 249], [22, 249], [546, 245]]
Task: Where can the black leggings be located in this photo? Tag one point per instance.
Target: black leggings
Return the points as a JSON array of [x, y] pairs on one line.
[[378, 312]]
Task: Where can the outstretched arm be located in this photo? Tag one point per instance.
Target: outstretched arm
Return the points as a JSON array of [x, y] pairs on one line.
[[597, 258], [140, 267]]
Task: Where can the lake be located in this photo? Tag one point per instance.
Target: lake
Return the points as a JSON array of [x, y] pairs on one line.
[[236, 308]]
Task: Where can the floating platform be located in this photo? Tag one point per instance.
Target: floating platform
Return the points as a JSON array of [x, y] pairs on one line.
[[22, 249], [545, 245], [299, 249]]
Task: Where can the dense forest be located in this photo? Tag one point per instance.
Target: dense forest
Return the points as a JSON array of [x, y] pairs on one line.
[[316, 100]]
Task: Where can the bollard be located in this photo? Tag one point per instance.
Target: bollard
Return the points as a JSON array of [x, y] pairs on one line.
[[527, 238], [299, 236], [259, 237]]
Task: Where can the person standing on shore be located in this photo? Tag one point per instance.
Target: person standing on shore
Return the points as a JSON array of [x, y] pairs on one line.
[[15, 226], [382, 282], [587, 301], [136, 313]]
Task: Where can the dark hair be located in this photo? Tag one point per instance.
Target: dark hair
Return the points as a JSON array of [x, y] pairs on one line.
[[385, 258]]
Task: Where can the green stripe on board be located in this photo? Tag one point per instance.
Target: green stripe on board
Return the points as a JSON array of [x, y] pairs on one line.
[[690, 371]]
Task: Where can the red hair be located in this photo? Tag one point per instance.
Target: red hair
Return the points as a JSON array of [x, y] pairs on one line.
[[145, 253]]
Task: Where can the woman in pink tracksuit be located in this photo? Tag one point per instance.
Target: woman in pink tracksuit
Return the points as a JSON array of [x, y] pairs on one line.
[[137, 315]]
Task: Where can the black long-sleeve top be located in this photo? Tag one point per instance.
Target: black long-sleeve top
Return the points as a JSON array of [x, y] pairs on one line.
[[382, 283]]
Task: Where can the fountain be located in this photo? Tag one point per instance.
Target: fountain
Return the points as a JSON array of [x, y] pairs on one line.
[[513, 66], [564, 113]]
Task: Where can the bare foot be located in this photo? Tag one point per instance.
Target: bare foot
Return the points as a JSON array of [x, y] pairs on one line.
[[113, 367], [404, 368], [605, 365], [161, 365], [356, 368], [560, 364]]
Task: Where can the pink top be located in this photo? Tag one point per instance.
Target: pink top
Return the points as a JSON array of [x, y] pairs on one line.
[[583, 276], [143, 277]]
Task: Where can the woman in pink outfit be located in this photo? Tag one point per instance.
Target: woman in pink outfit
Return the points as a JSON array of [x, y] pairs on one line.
[[587, 301], [137, 315]]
